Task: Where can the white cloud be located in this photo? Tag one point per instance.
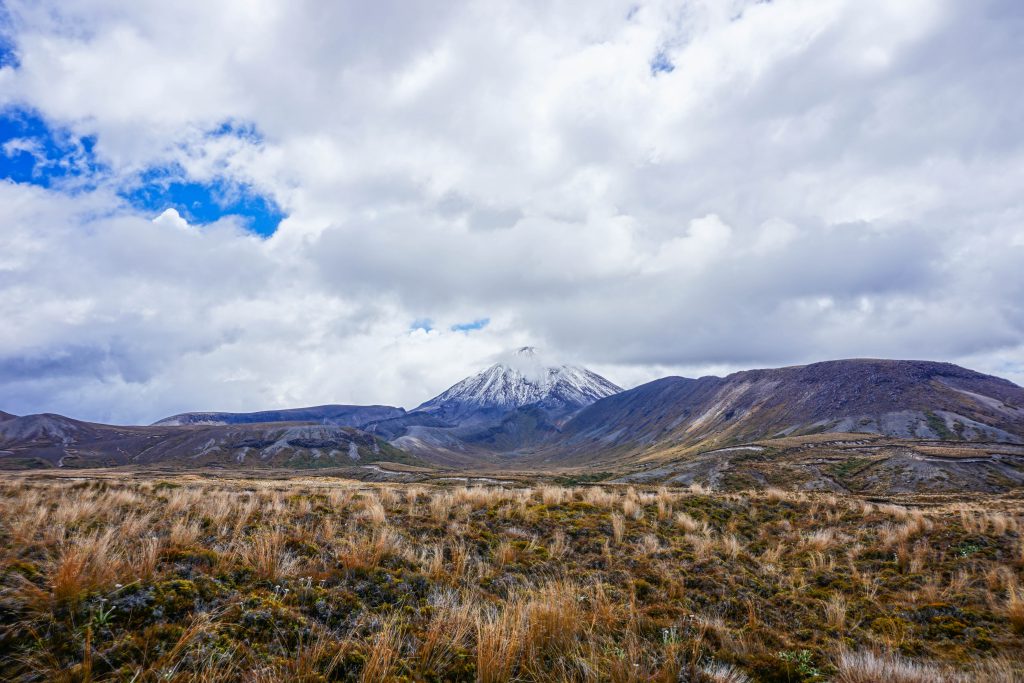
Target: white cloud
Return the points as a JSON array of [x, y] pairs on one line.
[[515, 161], [706, 239], [171, 218]]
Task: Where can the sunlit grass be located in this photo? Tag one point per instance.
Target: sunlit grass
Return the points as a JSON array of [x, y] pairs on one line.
[[185, 579]]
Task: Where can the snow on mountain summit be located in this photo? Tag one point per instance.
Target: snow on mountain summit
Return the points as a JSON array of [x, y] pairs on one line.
[[523, 378]]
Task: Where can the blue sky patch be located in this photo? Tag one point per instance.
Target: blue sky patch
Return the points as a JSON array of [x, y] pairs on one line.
[[8, 57], [237, 129], [205, 202], [470, 326], [425, 324], [35, 152], [662, 64], [32, 151]]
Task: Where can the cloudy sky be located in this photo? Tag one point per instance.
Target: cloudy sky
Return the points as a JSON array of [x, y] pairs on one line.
[[240, 205]]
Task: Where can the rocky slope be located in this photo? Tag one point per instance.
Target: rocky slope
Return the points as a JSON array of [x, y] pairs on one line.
[[861, 463], [905, 399]]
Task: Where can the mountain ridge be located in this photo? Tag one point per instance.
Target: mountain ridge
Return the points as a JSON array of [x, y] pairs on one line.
[[914, 425], [61, 441], [905, 399], [335, 414]]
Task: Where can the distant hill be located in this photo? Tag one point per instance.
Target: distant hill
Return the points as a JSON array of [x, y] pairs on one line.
[[6, 416], [341, 415], [54, 440], [905, 399]]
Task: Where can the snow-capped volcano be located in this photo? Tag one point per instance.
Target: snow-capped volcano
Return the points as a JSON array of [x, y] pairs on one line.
[[522, 379]]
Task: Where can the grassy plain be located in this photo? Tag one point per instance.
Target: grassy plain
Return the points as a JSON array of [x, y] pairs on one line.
[[120, 576]]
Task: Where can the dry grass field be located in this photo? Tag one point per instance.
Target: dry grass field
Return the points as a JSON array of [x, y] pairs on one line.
[[122, 577]]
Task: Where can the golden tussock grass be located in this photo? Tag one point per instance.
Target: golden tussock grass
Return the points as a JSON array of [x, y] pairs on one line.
[[321, 579], [265, 552], [1015, 607], [618, 527]]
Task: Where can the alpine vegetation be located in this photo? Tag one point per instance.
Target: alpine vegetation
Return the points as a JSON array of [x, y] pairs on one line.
[[126, 577]]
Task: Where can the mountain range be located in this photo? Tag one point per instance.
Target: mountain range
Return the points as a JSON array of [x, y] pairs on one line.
[[903, 399], [522, 413]]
